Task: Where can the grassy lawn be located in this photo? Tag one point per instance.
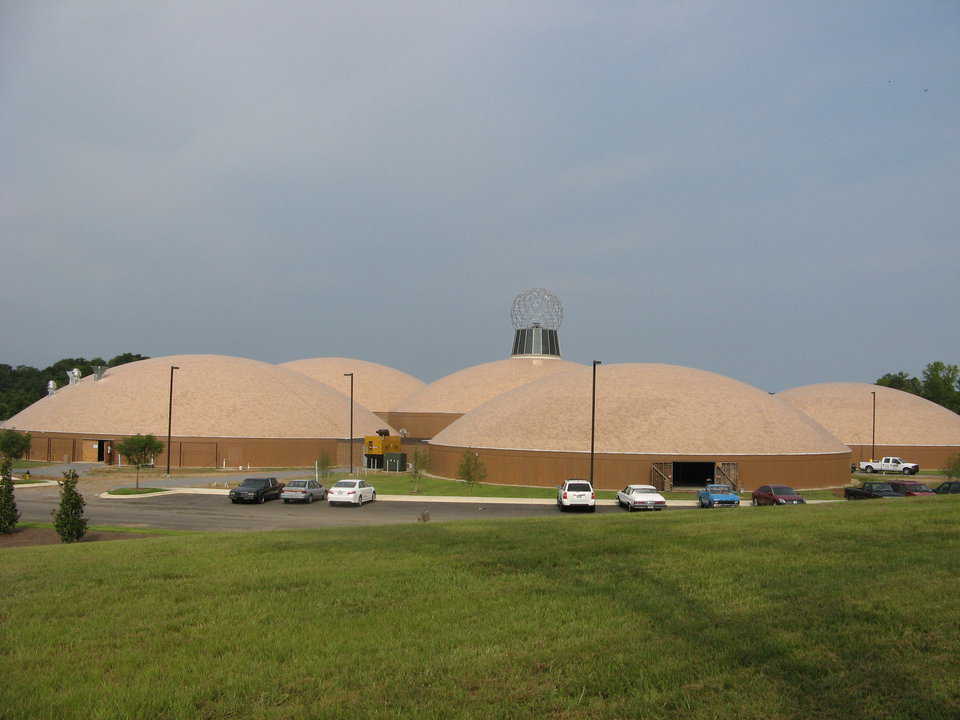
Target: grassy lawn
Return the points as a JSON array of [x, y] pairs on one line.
[[113, 528], [135, 491], [29, 464], [828, 611], [31, 481]]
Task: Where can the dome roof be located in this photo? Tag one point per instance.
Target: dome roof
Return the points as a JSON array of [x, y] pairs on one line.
[[377, 387], [213, 396], [645, 409], [846, 410], [465, 389]]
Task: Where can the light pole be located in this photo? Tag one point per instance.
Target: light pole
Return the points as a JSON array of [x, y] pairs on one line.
[[873, 442], [170, 416], [593, 418], [351, 420]]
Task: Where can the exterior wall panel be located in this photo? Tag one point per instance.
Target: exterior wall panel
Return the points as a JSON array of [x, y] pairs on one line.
[[613, 471]]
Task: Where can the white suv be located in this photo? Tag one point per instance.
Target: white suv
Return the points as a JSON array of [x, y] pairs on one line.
[[577, 493]]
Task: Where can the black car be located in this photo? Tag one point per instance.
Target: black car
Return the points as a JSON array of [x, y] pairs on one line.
[[256, 490], [871, 490], [950, 487]]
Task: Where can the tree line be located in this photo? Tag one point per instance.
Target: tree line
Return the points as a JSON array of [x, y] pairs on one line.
[[940, 383], [23, 385]]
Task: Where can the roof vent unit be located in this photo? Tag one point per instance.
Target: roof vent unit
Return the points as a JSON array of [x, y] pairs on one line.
[[536, 315], [98, 371], [51, 387], [73, 376]]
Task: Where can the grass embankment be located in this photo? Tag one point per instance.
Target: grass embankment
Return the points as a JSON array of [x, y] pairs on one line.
[[829, 611], [135, 491]]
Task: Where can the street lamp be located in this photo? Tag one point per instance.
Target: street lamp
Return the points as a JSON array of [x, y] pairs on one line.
[[873, 442], [170, 416], [593, 418], [351, 420]]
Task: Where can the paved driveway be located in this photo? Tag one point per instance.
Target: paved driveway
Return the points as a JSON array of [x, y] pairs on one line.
[[215, 512]]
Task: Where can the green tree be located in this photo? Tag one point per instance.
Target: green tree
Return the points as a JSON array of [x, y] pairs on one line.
[[421, 466], [902, 381], [124, 358], [140, 450], [13, 446], [471, 470], [952, 470], [68, 519], [941, 384], [324, 463]]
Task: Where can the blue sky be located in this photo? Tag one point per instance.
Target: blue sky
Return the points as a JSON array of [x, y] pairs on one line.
[[766, 190]]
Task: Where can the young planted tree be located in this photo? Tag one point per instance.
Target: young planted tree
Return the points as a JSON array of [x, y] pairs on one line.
[[68, 519], [140, 450], [471, 470], [13, 446], [952, 470], [421, 466], [324, 464]]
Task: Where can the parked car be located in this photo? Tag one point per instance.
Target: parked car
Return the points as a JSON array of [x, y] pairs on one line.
[[910, 487], [256, 490], [641, 497], [718, 495], [351, 491], [950, 487], [776, 495], [871, 490], [303, 491], [576, 493], [890, 464]]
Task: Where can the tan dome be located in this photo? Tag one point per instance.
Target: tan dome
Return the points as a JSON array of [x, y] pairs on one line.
[[846, 410], [213, 396], [376, 387], [644, 409], [466, 389]]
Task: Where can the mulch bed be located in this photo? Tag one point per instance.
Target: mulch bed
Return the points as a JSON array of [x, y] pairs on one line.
[[24, 537]]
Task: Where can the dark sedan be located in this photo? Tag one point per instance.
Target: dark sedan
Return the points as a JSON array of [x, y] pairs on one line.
[[256, 490], [870, 490], [950, 487], [776, 495]]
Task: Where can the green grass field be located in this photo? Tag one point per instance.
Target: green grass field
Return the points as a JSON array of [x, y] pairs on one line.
[[846, 610]]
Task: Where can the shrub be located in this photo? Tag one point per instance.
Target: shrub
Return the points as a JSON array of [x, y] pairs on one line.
[[952, 470], [68, 519], [9, 515], [471, 470]]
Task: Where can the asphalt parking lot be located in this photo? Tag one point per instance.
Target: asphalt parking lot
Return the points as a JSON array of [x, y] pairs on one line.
[[216, 512]]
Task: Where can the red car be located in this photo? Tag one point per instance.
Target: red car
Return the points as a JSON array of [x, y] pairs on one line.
[[777, 495], [911, 487]]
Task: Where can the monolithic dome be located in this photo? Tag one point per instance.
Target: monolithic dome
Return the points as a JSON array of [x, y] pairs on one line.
[[430, 409], [227, 411], [663, 424], [906, 425], [377, 387]]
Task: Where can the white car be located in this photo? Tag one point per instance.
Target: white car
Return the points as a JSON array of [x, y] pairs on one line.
[[576, 493], [351, 491], [641, 497], [303, 491]]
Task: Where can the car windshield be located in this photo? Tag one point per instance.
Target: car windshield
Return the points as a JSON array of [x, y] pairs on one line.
[[644, 490], [878, 487], [578, 487], [719, 489], [782, 490], [297, 483], [346, 483], [254, 483]]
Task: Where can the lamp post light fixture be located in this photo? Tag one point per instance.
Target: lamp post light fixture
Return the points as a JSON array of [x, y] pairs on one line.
[[873, 442], [593, 418], [170, 417], [351, 420]]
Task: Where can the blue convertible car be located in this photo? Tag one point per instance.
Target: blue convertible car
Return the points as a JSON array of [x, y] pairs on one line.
[[718, 496]]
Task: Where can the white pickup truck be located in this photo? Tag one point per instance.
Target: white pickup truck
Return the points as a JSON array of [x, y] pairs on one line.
[[889, 464]]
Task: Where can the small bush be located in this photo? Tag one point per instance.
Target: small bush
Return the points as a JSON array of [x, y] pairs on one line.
[[471, 470], [9, 515], [952, 470], [68, 519]]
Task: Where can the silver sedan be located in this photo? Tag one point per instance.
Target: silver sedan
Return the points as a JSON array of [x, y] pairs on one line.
[[303, 491]]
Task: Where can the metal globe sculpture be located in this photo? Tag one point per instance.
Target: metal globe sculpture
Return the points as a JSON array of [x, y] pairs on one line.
[[537, 307], [536, 314]]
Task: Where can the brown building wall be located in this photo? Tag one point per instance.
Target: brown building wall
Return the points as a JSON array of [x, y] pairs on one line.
[[420, 426], [203, 452], [518, 467], [930, 457]]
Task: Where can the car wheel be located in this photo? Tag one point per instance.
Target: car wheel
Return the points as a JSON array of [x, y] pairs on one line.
[[373, 498], [869, 469], [754, 502], [593, 508], [286, 501], [906, 471], [261, 499], [234, 501], [309, 498]]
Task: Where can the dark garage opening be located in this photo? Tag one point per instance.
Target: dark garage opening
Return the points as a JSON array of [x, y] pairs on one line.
[[692, 474]]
